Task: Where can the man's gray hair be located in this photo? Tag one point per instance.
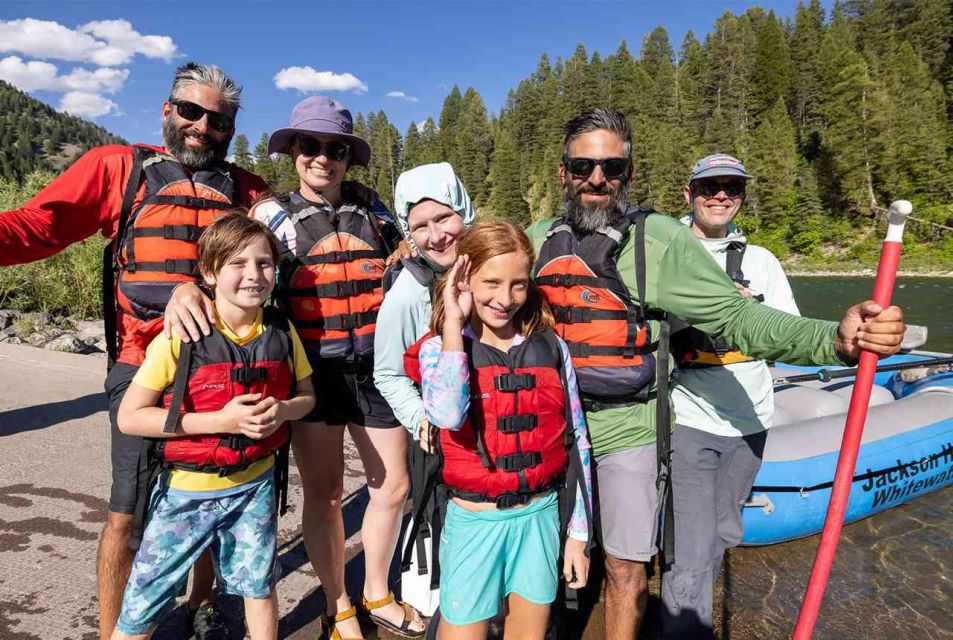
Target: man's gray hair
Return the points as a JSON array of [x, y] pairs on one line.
[[594, 120], [208, 75]]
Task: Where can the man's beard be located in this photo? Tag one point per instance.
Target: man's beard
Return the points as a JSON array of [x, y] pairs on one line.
[[192, 158], [588, 218]]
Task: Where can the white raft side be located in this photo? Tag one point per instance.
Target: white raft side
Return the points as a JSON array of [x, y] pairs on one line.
[[818, 436]]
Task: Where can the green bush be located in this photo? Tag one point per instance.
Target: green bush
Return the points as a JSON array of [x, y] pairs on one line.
[[70, 281]]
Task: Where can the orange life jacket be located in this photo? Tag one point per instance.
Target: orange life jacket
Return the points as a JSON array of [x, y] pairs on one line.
[[158, 244], [332, 284], [605, 328]]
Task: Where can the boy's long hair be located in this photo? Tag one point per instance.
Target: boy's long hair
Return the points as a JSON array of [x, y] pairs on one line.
[[227, 236], [483, 241]]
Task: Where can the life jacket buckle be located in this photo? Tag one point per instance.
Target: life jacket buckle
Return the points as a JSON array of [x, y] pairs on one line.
[[517, 462], [248, 375], [512, 382], [510, 500], [516, 423]]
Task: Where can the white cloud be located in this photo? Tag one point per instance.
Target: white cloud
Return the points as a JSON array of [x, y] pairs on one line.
[[400, 95], [106, 43], [43, 76], [90, 105], [306, 80]]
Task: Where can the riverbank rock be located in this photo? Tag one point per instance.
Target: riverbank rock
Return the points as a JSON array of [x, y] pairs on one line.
[[55, 332]]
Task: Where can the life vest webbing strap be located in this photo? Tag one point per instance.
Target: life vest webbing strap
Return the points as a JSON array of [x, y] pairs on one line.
[[586, 350], [516, 423], [338, 257], [509, 499], [512, 382], [179, 386], [570, 280], [342, 322], [663, 444], [573, 315], [248, 375], [337, 289], [171, 266], [516, 462], [189, 202], [186, 232]]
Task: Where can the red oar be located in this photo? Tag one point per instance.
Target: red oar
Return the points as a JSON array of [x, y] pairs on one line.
[[854, 429]]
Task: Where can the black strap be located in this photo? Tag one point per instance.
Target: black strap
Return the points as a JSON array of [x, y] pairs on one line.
[[585, 350], [338, 289], [337, 257], [516, 423], [282, 464], [189, 202], [569, 280], [147, 477], [573, 315], [179, 386], [342, 322], [663, 443], [640, 260], [512, 382], [111, 254], [186, 232], [248, 375], [180, 267], [733, 257], [516, 462]]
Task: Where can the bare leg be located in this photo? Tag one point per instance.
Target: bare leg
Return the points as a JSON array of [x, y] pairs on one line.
[[525, 620], [384, 454], [203, 579], [627, 595], [475, 631], [319, 454], [261, 616], [114, 563]]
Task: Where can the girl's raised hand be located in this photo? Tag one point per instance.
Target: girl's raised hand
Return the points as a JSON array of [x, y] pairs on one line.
[[457, 299]]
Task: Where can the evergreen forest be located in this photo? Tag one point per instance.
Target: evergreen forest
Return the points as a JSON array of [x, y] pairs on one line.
[[36, 137], [836, 115]]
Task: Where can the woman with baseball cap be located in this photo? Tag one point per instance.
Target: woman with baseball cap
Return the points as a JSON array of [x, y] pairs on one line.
[[336, 237]]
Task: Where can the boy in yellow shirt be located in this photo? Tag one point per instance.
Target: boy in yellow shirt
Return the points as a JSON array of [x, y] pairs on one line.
[[217, 410]]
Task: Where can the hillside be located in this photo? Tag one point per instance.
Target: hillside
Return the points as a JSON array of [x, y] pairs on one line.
[[35, 136]]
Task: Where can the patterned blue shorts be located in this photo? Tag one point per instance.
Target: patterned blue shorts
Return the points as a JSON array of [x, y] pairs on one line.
[[242, 530]]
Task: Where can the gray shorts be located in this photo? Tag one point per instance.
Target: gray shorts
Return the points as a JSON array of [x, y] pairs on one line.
[[627, 506]]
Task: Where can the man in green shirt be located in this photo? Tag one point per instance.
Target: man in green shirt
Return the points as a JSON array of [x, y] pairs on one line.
[[588, 266]]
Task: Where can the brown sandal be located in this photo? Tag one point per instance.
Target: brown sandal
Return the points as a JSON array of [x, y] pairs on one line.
[[331, 624], [404, 630]]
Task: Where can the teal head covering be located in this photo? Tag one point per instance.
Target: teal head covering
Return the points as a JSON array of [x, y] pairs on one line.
[[436, 182]]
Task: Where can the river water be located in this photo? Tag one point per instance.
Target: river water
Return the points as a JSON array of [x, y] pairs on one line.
[[893, 575]]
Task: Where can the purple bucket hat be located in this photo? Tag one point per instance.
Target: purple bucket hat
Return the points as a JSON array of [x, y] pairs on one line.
[[321, 115]]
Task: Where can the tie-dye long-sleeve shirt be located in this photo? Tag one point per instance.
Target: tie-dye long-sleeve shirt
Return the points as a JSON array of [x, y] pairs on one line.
[[445, 387]]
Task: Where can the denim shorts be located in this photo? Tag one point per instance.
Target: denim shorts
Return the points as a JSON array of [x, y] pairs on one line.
[[487, 555], [242, 530]]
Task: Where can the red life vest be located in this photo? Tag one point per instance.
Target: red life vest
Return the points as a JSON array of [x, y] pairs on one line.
[[209, 374], [605, 328], [515, 443], [333, 282], [158, 241]]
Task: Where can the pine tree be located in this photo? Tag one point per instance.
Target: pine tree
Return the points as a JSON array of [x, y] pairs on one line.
[[408, 159], [506, 196], [446, 135], [657, 59], [914, 155], [474, 145], [927, 25], [773, 68], [580, 86], [805, 55], [807, 231], [264, 165], [690, 88], [242, 155], [773, 161]]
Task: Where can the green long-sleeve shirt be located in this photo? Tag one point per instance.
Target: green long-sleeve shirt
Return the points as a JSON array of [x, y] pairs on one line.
[[683, 280]]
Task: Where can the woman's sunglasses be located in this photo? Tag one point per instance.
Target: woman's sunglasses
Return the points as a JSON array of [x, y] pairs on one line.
[[194, 112], [612, 168], [333, 149], [710, 188]]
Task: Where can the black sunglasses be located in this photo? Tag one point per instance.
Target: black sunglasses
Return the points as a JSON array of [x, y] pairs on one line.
[[194, 112], [612, 168], [709, 188], [333, 149]]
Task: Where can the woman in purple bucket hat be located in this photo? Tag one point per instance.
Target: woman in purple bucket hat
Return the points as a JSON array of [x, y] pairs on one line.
[[330, 280]]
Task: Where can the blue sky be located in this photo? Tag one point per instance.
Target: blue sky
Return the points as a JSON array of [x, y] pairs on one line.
[[113, 61]]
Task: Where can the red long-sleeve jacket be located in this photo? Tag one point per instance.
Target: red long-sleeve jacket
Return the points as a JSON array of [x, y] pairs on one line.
[[85, 199]]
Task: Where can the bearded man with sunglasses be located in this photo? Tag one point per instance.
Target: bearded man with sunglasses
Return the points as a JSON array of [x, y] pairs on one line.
[[614, 274], [153, 202]]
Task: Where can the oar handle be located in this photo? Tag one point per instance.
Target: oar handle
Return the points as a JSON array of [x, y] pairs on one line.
[[853, 430]]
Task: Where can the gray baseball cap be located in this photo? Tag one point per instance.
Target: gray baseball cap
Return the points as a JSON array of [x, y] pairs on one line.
[[719, 164], [325, 116]]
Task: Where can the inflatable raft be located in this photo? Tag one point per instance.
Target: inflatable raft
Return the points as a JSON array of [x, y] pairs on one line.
[[907, 448]]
